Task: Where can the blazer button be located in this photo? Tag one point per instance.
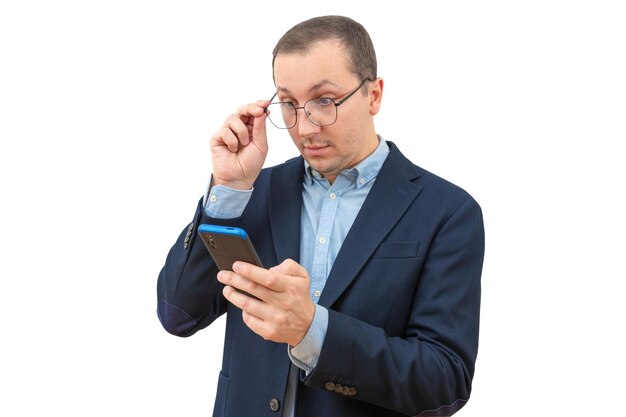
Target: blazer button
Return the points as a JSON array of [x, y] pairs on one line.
[[274, 404], [188, 236], [330, 386]]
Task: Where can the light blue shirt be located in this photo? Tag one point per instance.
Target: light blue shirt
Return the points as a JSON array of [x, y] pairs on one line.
[[328, 211]]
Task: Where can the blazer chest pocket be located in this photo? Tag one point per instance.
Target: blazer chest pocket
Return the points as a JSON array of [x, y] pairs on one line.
[[396, 250]]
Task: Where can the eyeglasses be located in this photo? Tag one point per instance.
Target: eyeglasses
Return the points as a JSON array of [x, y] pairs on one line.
[[320, 111]]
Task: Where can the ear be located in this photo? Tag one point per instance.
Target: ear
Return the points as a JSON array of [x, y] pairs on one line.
[[376, 95]]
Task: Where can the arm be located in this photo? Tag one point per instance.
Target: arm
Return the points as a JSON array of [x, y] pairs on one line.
[[430, 364], [189, 296]]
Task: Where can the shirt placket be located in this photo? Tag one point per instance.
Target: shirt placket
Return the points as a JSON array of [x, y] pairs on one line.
[[323, 237]]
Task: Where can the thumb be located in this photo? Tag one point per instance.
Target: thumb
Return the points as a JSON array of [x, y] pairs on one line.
[[292, 268]]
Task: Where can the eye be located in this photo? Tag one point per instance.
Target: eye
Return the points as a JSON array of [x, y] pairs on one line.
[[287, 105], [324, 101]]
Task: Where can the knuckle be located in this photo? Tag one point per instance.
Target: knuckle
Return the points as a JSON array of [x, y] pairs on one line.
[[223, 135], [251, 286], [271, 280], [287, 305], [218, 136], [281, 319], [272, 333]]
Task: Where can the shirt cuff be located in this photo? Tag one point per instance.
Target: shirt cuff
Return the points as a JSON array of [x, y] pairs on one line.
[[223, 202], [307, 353]]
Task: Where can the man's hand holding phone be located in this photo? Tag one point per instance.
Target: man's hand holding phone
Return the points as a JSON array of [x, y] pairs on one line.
[[276, 303], [283, 310]]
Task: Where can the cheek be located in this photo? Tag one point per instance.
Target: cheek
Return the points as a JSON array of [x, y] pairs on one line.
[[347, 138], [351, 125]]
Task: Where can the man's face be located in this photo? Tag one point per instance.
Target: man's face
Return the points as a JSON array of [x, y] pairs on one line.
[[323, 71]]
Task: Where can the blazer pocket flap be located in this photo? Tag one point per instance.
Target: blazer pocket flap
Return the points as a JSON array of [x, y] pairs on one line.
[[397, 250]]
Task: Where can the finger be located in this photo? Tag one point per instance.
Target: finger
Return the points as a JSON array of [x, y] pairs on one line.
[[264, 328], [249, 112], [238, 124], [225, 137], [279, 328], [256, 117], [237, 298], [256, 324], [252, 110], [263, 277], [251, 306], [240, 283]]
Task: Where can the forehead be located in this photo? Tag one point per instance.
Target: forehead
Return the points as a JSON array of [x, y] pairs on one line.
[[323, 61]]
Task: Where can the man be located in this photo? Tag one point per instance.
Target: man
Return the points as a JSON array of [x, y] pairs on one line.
[[370, 304]]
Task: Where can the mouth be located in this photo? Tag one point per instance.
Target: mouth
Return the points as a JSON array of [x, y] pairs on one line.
[[315, 150], [314, 146]]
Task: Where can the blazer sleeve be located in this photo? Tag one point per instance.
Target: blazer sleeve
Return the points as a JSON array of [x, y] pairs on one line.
[[428, 370], [189, 297]]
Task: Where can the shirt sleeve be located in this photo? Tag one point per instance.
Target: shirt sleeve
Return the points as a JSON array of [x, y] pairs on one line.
[[223, 202], [306, 354]]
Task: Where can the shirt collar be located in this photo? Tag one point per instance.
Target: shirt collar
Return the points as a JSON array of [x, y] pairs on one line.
[[362, 173]]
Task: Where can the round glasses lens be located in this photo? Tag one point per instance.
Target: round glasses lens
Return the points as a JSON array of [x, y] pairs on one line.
[[282, 115], [321, 111]]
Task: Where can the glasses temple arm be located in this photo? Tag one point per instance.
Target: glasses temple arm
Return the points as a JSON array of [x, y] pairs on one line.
[[270, 100]]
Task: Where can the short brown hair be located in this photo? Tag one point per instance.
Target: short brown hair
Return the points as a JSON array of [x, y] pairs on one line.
[[353, 36]]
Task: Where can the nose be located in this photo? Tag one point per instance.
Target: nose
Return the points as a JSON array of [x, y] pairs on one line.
[[305, 126]]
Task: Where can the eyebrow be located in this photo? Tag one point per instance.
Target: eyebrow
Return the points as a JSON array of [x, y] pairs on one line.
[[313, 88]]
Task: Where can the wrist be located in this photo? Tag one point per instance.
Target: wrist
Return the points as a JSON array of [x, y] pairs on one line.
[[242, 185]]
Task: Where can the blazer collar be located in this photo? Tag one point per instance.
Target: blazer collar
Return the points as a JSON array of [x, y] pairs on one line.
[[392, 194], [284, 205]]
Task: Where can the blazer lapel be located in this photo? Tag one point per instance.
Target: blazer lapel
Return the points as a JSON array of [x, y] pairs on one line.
[[387, 201], [284, 205]]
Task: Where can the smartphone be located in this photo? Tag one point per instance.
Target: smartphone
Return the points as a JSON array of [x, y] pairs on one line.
[[228, 244]]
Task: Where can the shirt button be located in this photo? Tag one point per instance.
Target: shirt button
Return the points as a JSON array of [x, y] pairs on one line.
[[333, 196], [213, 199], [362, 181], [322, 240], [274, 404], [318, 293]]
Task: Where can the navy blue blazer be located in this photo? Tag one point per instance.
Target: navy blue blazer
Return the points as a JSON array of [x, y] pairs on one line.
[[403, 298]]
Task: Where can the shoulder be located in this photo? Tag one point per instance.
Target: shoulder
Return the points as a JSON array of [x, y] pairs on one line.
[[433, 186]]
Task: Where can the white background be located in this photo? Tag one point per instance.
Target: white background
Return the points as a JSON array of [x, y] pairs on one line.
[[106, 109]]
